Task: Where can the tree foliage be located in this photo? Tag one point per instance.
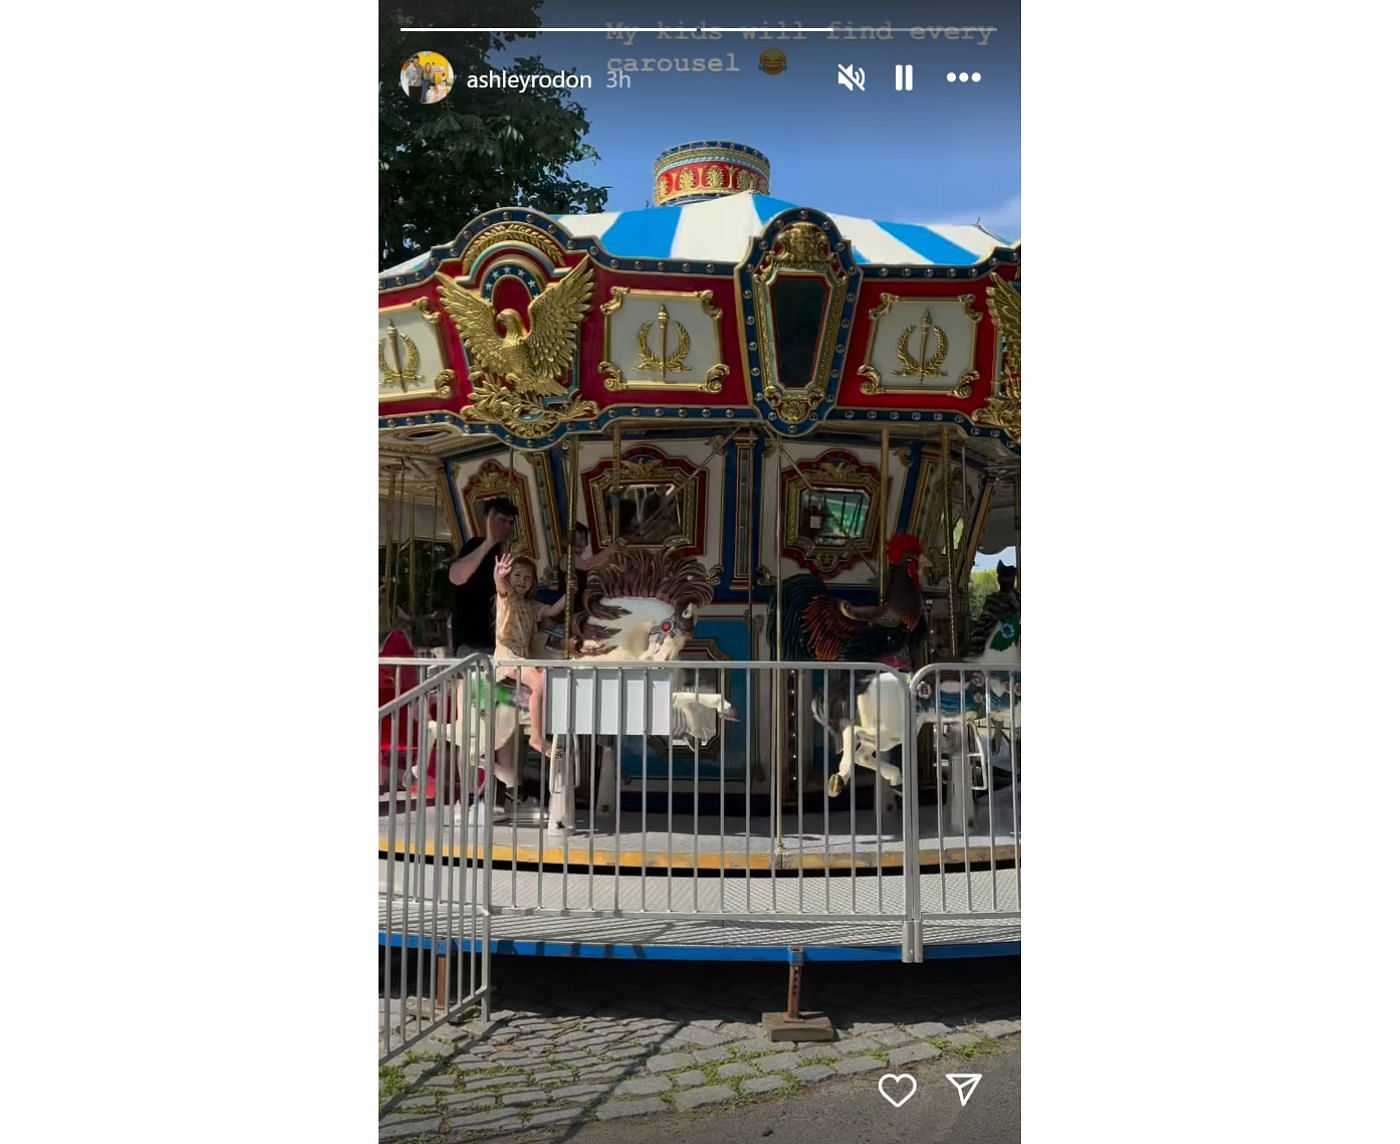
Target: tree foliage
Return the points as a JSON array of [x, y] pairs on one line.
[[982, 585], [442, 164]]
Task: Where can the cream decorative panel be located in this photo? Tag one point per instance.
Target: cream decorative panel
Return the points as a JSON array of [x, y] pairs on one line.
[[661, 339], [411, 364], [921, 343]]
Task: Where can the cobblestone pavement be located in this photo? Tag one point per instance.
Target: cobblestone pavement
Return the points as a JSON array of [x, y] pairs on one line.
[[572, 1041]]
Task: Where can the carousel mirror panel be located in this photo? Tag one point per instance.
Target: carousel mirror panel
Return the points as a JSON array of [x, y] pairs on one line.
[[417, 543], [828, 512], [647, 500], [800, 287], [492, 480], [949, 510], [799, 313]]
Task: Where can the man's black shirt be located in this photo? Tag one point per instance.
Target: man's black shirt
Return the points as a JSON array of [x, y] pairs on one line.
[[473, 603]]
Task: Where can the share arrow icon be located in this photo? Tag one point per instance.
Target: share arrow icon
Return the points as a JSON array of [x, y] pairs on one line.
[[965, 1083]]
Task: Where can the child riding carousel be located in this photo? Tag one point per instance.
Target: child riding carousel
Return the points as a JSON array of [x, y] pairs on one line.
[[518, 614]]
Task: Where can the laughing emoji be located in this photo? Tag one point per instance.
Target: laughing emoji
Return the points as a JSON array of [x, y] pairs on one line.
[[772, 61]]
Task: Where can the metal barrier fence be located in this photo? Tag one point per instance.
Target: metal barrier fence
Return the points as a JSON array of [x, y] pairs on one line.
[[975, 717], [434, 908], [670, 829], [715, 793]]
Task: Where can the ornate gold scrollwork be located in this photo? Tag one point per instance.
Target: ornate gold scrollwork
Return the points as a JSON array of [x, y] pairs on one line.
[[424, 307], [521, 416], [803, 244], [1003, 409], [794, 405], [517, 232]]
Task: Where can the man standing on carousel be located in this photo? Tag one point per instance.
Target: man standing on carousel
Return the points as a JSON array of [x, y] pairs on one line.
[[473, 584]]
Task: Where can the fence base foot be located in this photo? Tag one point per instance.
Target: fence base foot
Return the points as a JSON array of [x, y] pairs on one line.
[[803, 1027], [792, 1024]]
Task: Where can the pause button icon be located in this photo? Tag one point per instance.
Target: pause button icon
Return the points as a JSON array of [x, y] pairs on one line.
[[904, 77]]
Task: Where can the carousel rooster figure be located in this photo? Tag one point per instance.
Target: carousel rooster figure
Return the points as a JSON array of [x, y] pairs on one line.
[[819, 626]]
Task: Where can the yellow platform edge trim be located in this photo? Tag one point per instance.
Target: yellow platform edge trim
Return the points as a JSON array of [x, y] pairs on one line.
[[756, 860]]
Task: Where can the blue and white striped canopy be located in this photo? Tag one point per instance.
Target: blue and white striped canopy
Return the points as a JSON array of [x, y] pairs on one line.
[[719, 230]]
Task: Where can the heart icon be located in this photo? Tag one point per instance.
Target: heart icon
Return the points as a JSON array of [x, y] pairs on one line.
[[898, 1082]]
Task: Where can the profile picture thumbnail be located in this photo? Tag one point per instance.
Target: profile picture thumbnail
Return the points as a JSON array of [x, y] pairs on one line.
[[426, 77]]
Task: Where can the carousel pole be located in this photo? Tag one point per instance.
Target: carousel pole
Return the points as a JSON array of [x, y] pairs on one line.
[[948, 542], [1016, 499], [616, 479], [393, 586], [384, 595], [609, 769], [509, 550], [412, 557], [753, 563], [558, 767], [779, 676], [571, 472], [964, 511], [884, 511], [432, 552]]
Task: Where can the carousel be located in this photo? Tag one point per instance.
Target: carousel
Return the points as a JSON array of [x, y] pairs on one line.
[[771, 719]]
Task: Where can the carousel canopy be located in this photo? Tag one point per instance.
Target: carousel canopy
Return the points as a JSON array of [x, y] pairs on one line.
[[720, 230], [718, 300]]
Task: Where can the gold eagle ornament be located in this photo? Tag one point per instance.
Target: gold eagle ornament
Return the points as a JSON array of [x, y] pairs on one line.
[[1003, 409], [1004, 301], [527, 362]]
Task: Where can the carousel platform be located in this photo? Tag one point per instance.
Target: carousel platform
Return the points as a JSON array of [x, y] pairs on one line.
[[706, 889]]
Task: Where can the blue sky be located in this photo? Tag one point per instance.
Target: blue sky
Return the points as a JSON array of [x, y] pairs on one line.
[[941, 153]]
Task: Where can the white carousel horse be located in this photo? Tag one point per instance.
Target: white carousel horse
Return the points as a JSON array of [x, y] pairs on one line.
[[878, 726]]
